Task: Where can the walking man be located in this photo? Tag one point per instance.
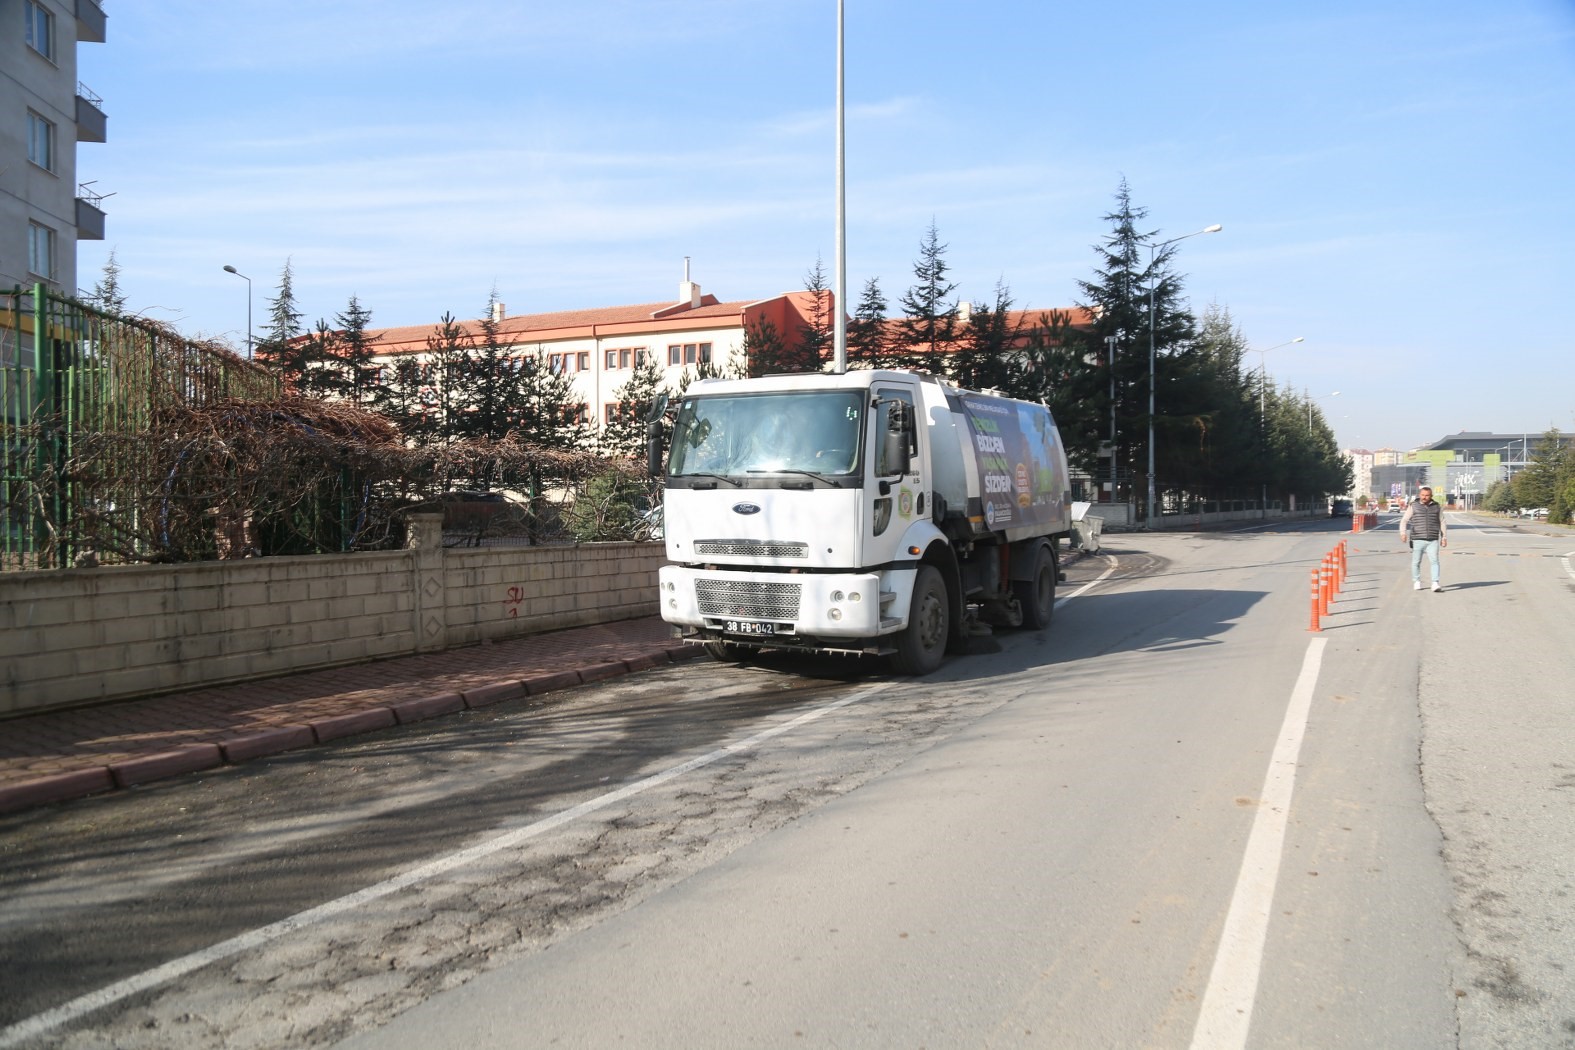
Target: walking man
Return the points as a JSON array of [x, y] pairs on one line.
[[1422, 527]]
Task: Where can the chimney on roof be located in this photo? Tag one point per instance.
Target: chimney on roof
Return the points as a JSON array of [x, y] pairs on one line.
[[688, 291], [498, 312], [964, 311]]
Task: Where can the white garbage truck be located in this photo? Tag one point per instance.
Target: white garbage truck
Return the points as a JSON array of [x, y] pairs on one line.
[[872, 511]]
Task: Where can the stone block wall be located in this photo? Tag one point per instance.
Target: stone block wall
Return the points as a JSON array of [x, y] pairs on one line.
[[81, 636]]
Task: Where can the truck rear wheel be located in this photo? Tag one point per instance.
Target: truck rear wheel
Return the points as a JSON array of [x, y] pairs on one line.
[[1036, 594], [922, 647]]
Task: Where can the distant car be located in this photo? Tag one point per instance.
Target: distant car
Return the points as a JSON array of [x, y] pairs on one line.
[[1340, 508], [1394, 504], [1533, 512]]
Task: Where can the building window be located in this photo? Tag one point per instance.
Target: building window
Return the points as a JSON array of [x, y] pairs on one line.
[[626, 357], [555, 363], [689, 354], [40, 29], [585, 361], [41, 250], [40, 141]]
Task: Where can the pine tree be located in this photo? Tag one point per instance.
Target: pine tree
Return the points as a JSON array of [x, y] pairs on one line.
[[278, 348], [927, 331], [816, 337], [448, 351], [314, 368], [988, 357], [764, 350], [1116, 299], [107, 295], [357, 354], [867, 329], [492, 403], [624, 434], [1057, 373]]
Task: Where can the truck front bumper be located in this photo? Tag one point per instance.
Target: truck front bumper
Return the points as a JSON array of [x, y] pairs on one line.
[[784, 608]]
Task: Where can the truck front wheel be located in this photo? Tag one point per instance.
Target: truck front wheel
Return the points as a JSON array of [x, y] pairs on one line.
[[1036, 594], [922, 647]]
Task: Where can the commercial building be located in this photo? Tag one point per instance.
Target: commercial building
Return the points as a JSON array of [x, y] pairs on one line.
[[44, 113], [1461, 467]]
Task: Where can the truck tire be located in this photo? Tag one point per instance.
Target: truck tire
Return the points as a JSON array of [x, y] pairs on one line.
[[722, 652], [922, 646], [1036, 595]]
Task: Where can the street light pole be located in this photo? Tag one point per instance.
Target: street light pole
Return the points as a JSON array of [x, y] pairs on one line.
[[1310, 401], [248, 280], [1153, 252]]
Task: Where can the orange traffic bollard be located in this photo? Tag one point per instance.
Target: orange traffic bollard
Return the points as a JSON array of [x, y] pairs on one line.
[[1327, 585], [1314, 626]]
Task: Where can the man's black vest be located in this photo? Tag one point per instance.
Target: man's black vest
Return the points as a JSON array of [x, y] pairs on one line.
[[1425, 521]]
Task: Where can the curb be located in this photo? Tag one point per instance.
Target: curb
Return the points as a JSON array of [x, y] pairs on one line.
[[194, 758]]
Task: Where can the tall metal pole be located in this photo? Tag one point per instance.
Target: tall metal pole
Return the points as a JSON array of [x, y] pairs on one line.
[[840, 330]]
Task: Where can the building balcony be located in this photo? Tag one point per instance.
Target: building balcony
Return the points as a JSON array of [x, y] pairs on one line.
[[91, 24], [90, 219], [92, 124]]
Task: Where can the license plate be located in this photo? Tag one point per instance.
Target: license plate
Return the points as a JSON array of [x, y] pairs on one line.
[[748, 627]]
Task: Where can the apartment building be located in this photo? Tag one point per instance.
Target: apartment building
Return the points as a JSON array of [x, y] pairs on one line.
[[44, 113]]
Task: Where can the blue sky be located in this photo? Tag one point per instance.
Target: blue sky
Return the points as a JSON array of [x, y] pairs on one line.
[[1394, 178]]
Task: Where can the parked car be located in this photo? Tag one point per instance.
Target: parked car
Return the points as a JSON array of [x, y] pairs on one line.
[[1534, 512], [1340, 508]]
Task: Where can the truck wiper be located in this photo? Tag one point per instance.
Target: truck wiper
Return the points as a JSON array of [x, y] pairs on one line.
[[833, 482], [707, 474]]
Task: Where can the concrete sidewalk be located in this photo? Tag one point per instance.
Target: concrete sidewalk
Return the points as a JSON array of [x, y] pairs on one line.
[[61, 755]]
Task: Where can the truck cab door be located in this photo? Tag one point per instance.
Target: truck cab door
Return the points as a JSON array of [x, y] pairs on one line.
[[895, 483]]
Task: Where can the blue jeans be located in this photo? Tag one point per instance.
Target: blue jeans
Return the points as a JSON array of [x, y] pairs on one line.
[[1418, 547]]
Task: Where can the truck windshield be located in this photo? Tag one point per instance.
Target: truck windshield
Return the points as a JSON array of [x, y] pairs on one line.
[[815, 431]]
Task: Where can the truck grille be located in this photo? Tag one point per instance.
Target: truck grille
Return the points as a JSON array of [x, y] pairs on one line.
[[747, 600], [752, 548]]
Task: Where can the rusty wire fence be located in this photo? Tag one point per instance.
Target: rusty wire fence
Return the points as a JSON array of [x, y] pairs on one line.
[[81, 396]]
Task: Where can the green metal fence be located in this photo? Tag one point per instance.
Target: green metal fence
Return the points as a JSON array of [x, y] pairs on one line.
[[78, 386]]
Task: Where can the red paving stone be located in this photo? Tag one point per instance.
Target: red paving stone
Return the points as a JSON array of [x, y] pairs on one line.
[[65, 754]]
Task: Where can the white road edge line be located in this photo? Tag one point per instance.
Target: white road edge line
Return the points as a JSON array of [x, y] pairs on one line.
[[1569, 566], [1233, 983], [86, 1004], [1096, 581], [83, 1005]]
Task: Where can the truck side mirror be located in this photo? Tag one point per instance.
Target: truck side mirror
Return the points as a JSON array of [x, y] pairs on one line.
[[653, 447]]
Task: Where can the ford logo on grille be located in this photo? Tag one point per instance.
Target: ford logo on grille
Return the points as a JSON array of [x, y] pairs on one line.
[[746, 508]]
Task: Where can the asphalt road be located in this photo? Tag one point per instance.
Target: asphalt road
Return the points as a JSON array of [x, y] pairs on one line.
[[1177, 818]]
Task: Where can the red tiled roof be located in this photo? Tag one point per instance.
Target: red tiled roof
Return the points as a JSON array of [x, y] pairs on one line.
[[559, 323]]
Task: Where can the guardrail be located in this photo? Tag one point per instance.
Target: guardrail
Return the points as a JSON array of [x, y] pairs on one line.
[[1327, 579]]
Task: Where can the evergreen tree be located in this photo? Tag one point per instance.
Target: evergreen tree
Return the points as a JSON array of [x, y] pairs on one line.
[[624, 434], [399, 397], [1212, 440], [443, 375], [490, 392], [278, 347], [867, 329], [550, 410], [1539, 482], [765, 351], [357, 352], [928, 328], [107, 295], [988, 357], [1057, 373], [1117, 299], [314, 364], [816, 336]]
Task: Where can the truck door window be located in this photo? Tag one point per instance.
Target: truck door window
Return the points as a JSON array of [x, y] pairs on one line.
[[894, 413]]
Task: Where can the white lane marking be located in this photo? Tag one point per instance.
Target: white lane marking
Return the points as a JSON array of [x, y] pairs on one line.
[[175, 968], [1569, 566], [1090, 584], [83, 1005], [1233, 983]]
